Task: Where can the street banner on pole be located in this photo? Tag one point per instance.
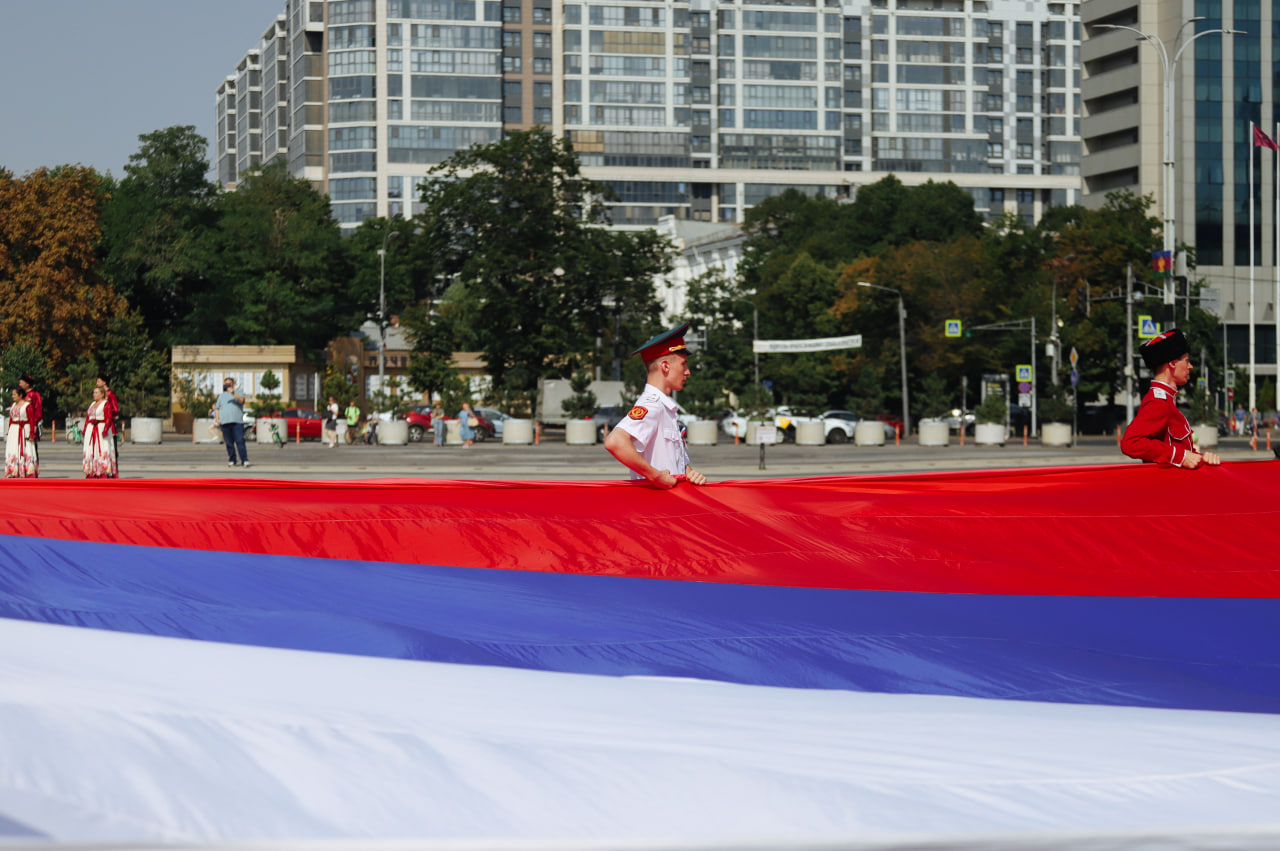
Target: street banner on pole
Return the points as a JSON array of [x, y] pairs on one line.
[[818, 344]]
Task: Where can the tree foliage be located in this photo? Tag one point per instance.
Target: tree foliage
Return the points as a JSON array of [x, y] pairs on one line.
[[156, 229], [55, 298], [518, 225], [278, 267]]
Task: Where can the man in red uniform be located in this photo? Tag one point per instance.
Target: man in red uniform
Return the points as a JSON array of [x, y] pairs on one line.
[[113, 412], [1159, 432]]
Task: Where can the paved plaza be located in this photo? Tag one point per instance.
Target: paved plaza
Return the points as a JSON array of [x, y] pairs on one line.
[[553, 460]]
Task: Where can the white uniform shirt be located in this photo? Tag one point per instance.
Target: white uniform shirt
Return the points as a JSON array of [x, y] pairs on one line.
[[655, 432]]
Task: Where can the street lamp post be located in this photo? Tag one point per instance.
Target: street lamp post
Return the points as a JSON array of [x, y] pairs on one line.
[[1168, 69], [902, 351], [382, 309]]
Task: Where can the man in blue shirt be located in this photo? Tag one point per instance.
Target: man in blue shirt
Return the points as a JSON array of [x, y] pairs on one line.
[[230, 408]]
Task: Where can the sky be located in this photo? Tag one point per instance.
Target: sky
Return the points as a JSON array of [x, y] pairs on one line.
[[84, 78]]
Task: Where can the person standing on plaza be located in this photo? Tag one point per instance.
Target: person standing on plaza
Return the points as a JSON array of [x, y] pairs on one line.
[[99, 460], [648, 440], [230, 407], [20, 459], [113, 406], [352, 414], [331, 423], [1160, 433], [437, 422], [467, 423], [35, 410]]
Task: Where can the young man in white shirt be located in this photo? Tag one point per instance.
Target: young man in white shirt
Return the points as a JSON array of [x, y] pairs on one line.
[[648, 440]]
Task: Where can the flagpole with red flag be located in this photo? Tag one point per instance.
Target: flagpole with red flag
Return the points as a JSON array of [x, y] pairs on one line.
[[1259, 140], [1253, 398]]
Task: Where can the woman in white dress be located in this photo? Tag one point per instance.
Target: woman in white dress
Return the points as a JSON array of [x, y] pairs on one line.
[[20, 460], [99, 442]]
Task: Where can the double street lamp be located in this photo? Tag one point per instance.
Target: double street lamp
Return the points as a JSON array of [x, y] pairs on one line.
[[902, 344], [1168, 68]]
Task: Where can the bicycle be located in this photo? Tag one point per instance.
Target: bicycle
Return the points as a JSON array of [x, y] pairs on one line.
[[75, 430]]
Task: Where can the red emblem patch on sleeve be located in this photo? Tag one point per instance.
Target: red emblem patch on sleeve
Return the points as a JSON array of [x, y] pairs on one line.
[[638, 412]]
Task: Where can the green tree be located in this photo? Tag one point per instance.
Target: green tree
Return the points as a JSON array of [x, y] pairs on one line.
[[56, 300], [517, 223], [581, 403], [156, 229], [431, 367], [279, 268], [268, 401]]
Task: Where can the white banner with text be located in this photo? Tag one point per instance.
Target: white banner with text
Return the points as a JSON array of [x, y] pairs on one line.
[[819, 344]]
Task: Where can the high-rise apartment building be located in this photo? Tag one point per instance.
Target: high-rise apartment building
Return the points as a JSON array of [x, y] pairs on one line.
[[1221, 82], [693, 109]]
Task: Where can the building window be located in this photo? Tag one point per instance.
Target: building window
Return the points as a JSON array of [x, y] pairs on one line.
[[512, 115], [542, 115], [511, 64], [542, 90], [511, 14], [542, 65], [541, 16], [512, 90], [542, 40], [511, 38]]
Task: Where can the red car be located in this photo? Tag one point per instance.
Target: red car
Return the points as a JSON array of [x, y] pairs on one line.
[[303, 420], [419, 419]]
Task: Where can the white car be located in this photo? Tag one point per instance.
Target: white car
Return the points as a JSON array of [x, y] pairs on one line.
[[735, 425], [839, 425]]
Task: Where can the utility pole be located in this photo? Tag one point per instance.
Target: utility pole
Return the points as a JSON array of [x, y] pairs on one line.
[[1128, 343]]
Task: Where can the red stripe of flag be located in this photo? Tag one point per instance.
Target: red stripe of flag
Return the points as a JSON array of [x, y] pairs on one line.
[[1262, 140]]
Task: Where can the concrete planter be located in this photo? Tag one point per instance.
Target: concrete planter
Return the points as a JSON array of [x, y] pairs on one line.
[[202, 433], [453, 432], [811, 434], [1055, 434], [519, 432], [1206, 436], [580, 432], [990, 434], [393, 432], [751, 434], [933, 434], [145, 429], [263, 428], [869, 433], [702, 433]]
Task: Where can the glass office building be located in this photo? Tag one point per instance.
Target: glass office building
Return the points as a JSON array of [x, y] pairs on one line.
[[697, 110], [1221, 83]]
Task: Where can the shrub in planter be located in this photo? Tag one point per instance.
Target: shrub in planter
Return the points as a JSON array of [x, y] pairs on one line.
[[1200, 408], [1054, 408], [992, 410]]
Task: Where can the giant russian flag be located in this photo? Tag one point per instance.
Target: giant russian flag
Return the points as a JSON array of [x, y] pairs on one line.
[[964, 657]]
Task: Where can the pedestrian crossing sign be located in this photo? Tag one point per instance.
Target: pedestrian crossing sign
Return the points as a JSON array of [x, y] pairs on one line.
[[1023, 372], [953, 327], [1148, 327]]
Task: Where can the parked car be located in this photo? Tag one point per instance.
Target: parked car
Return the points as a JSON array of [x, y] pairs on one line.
[[839, 425], [607, 416], [894, 423], [495, 420], [959, 419], [304, 422], [782, 417], [419, 419]]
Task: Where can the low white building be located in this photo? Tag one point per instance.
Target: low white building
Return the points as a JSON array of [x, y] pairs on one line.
[[701, 247]]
